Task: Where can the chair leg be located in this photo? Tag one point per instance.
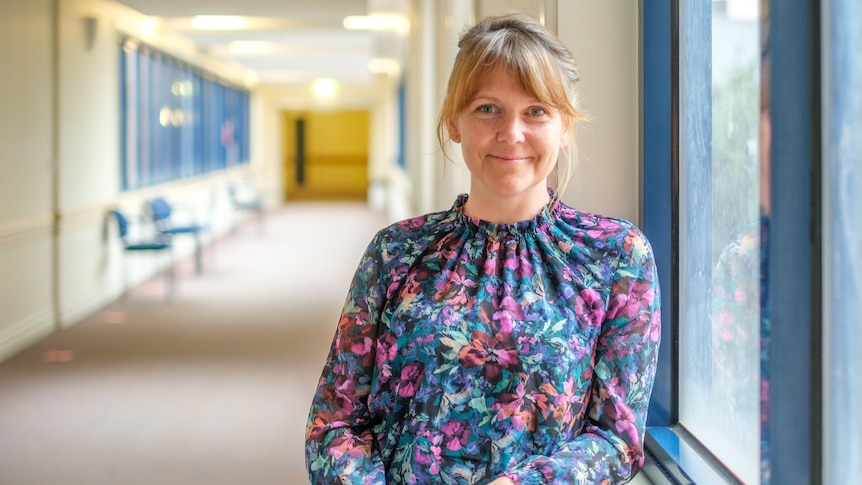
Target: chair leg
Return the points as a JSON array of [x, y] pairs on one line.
[[124, 291], [198, 256], [170, 278]]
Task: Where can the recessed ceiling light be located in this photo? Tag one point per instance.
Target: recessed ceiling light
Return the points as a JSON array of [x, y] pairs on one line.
[[324, 88], [218, 22], [377, 22]]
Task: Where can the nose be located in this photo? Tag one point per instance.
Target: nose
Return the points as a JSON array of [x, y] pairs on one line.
[[510, 129]]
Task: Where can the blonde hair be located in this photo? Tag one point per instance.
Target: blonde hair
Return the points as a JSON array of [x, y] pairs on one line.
[[541, 64]]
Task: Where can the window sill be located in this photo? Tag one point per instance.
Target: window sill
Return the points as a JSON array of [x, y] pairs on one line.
[[674, 457]]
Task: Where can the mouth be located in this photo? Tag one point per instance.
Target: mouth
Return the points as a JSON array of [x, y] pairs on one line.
[[509, 158]]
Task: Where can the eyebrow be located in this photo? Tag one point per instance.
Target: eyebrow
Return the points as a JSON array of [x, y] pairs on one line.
[[497, 100]]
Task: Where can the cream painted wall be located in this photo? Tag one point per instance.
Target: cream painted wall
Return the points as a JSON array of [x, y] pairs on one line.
[[88, 171], [26, 153], [604, 38]]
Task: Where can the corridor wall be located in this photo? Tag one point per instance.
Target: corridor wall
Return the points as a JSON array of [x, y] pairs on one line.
[[60, 259], [27, 153]]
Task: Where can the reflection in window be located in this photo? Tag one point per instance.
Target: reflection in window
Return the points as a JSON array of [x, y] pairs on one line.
[[719, 230]]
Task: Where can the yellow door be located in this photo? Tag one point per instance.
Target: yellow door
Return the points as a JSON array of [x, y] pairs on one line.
[[326, 155]]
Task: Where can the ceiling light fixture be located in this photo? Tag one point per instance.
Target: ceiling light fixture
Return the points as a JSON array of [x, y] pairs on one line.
[[218, 22], [377, 22], [324, 88]]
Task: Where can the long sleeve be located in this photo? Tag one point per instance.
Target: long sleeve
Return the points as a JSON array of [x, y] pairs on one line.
[[609, 448], [340, 447]]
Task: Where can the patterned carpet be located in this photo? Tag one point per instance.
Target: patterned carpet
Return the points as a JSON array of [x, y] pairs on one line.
[[212, 388]]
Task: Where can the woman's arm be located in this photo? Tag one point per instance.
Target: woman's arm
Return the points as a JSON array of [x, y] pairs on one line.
[[610, 446], [340, 447]]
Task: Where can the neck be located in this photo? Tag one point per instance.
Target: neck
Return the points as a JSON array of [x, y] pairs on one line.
[[505, 210]]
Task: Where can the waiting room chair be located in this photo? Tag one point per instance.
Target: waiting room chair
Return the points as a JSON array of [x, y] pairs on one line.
[[161, 213], [242, 199], [159, 243]]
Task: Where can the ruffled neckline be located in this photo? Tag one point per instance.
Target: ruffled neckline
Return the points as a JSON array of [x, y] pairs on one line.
[[543, 219]]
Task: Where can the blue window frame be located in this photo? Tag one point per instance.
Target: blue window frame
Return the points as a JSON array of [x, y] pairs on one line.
[[791, 320], [177, 121]]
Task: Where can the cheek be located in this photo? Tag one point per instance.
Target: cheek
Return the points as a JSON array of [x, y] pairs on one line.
[[473, 136], [550, 147]]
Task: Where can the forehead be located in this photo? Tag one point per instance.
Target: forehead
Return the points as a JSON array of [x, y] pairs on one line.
[[500, 82]]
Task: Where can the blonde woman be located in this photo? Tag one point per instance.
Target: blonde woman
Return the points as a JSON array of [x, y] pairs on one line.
[[510, 339]]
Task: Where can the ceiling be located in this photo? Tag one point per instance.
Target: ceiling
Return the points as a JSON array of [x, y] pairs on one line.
[[284, 41]]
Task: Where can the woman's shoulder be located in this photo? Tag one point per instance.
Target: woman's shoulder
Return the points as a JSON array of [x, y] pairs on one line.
[[417, 227], [405, 239], [597, 225], [601, 231]]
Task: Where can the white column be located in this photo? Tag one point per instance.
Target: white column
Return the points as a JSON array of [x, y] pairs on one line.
[[454, 16]]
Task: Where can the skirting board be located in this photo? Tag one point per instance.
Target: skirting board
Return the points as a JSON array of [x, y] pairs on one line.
[[25, 332]]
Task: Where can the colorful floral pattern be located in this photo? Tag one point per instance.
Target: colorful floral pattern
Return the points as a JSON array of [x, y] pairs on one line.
[[467, 351]]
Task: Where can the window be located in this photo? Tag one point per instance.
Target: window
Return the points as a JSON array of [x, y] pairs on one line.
[[177, 121], [719, 231], [842, 191], [754, 389]]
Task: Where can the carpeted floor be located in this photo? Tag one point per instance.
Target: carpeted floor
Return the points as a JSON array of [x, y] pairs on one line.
[[210, 389]]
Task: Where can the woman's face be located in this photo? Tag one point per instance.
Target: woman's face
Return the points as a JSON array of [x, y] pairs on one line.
[[510, 141]]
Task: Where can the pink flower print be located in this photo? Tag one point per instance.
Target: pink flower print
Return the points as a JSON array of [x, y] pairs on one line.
[[508, 311], [525, 266], [492, 249], [590, 304], [361, 345], [386, 348], [411, 376], [483, 352], [740, 296], [452, 288], [342, 395], [525, 408], [455, 434], [351, 445]]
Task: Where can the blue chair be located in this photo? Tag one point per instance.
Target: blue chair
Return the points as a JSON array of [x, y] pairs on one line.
[[161, 212], [159, 243]]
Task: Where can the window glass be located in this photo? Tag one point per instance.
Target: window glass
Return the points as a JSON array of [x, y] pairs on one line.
[[177, 121], [719, 230], [842, 245]]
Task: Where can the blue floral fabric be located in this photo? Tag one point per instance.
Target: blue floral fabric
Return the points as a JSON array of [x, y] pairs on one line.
[[468, 350]]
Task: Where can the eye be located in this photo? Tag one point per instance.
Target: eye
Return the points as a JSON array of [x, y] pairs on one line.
[[536, 111], [486, 108]]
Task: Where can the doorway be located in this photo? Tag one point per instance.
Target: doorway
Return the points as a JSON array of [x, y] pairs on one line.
[[326, 155]]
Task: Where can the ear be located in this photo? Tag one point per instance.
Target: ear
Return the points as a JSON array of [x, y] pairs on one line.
[[454, 133]]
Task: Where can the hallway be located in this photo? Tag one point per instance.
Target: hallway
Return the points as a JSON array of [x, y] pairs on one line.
[[212, 388]]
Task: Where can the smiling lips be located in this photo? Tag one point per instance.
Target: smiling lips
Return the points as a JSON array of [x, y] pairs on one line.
[[509, 158]]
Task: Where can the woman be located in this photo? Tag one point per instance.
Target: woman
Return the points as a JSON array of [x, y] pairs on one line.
[[510, 339]]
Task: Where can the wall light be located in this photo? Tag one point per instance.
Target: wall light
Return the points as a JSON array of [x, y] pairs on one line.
[[91, 26]]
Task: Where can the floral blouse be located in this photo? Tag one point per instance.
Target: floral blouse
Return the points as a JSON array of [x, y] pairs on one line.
[[468, 350]]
